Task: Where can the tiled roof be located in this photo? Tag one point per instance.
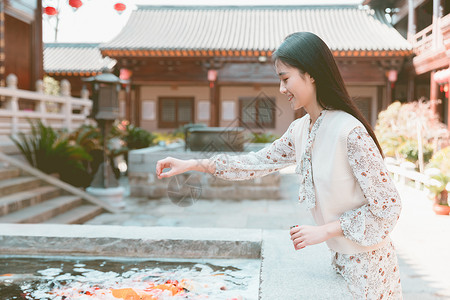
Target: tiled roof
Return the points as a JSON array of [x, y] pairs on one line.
[[261, 28], [75, 58]]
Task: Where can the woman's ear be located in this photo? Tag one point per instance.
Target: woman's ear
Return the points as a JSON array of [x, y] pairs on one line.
[[310, 77]]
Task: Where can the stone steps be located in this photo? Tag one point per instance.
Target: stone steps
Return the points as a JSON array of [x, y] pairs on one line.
[[14, 185], [9, 173], [77, 215], [43, 211], [30, 196], [21, 200]]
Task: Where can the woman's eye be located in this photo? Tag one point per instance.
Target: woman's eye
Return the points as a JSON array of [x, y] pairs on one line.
[[285, 80]]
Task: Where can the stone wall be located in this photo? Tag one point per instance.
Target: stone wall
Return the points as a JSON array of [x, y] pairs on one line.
[[144, 182]]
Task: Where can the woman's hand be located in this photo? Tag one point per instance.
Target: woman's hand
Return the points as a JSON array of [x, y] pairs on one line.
[[177, 166], [307, 235]]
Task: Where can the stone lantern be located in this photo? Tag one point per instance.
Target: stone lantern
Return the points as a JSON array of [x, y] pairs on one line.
[[105, 96]]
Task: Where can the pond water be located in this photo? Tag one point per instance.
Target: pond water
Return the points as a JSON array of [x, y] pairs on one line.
[[130, 279]]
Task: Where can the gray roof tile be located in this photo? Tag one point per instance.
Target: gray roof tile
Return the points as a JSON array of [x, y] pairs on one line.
[[254, 28], [75, 57]]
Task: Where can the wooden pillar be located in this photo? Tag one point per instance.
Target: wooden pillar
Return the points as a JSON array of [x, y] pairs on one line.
[[434, 92], [412, 19], [128, 102], [137, 106], [388, 98], [411, 88], [214, 104], [217, 100], [37, 51], [2, 44], [380, 98]]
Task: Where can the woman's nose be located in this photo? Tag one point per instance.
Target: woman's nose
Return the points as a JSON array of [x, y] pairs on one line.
[[282, 88]]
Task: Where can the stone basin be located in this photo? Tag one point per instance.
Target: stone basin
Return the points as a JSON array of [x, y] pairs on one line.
[[284, 273]]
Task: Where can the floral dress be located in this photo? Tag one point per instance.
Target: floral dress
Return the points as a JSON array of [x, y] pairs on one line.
[[369, 275]]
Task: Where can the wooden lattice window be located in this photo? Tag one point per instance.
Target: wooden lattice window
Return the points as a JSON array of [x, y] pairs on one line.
[[175, 112], [257, 112]]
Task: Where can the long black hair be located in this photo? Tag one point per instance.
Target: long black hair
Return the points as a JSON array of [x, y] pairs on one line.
[[309, 54]]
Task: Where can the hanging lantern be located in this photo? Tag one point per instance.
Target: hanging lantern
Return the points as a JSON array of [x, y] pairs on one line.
[[392, 75], [50, 10], [75, 4], [120, 7], [212, 75]]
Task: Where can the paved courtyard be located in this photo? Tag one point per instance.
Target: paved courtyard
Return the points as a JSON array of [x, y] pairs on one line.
[[422, 238]]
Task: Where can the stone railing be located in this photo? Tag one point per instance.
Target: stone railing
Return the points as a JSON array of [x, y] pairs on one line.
[[21, 106], [428, 39], [423, 40], [405, 174]]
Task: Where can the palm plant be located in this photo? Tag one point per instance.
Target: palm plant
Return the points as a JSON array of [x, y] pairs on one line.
[[52, 152]]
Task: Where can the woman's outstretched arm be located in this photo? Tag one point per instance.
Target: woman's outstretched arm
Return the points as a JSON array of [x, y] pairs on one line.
[[178, 166], [280, 154]]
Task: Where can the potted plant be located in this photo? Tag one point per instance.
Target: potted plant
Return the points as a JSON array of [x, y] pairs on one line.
[[439, 180]]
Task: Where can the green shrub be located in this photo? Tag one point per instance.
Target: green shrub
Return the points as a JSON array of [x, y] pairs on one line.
[[262, 137], [441, 160], [134, 137], [137, 138], [52, 152], [399, 126], [409, 150]]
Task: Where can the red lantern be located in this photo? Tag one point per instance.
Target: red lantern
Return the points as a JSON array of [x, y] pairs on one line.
[[120, 7], [50, 10], [75, 4], [212, 75], [392, 75]]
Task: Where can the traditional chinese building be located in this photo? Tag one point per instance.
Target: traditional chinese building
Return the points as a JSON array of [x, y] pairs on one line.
[[426, 25], [21, 41], [209, 64], [212, 65]]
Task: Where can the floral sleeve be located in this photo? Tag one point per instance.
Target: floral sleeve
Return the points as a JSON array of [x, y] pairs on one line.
[[280, 154], [372, 222]]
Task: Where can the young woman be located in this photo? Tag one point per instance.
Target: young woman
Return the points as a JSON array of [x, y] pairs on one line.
[[344, 181]]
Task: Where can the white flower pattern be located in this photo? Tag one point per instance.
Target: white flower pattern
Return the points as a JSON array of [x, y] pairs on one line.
[[304, 168], [371, 223], [369, 275]]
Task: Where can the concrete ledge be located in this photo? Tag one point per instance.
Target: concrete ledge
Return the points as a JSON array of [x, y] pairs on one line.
[[148, 242], [285, 273], [303, 274]]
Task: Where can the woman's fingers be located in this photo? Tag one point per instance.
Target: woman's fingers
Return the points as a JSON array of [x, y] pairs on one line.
[[163, 164], [298, 240], [299, 247], [166, 174], [297, 237], [294, 230]]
